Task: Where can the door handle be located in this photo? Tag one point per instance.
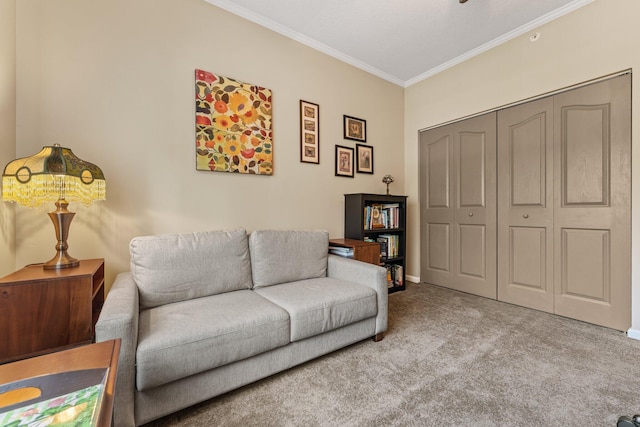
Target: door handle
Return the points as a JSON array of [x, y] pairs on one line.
[[470, 213], [525, 216]]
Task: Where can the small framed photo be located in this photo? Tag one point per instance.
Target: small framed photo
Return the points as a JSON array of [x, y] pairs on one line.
[[364, 158], [355, 129], [344, 161], [309, 132], [377, 219]]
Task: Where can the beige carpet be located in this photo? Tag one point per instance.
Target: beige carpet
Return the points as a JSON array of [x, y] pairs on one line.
[[448, 358]]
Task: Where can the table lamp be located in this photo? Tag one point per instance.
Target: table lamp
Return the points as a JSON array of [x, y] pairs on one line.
[[54, 174], [387, 179]]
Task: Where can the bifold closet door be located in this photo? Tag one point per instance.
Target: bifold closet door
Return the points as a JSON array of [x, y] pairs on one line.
[[525, 205], [592, 203], [436, 209], [564, 195], [458, 205], [563, 204]]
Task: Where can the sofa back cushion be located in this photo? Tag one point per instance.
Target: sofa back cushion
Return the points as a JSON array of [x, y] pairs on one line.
[[281, 256], [176, 267]]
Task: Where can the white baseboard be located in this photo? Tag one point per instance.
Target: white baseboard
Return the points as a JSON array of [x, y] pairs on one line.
[[633, 333], [413, 279]]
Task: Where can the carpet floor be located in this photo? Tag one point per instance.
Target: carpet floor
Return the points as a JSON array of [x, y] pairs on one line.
[[448, 358]]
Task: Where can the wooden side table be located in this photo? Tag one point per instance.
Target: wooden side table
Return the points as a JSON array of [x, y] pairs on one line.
[[362, 251], [101, 355], [47, 310]]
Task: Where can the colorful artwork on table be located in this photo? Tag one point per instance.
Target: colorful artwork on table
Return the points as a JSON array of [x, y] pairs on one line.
[[233, 126]]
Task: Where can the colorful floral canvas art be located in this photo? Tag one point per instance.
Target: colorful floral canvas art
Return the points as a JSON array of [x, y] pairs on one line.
[[233, 126]]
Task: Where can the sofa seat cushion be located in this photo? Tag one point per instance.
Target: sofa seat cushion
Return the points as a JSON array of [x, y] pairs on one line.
[[185, 338], [281, 256], [319, 305], [178, 267]]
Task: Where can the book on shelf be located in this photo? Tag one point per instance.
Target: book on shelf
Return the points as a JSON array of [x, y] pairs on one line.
[[383, 246], [398, 275], [394, 275], [391, 214], [389, 268], [377, 216], [391, 243]]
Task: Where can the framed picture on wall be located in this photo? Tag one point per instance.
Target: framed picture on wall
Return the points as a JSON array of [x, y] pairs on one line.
[[229, 113], [344, 161], [309, 132], [364, 158], [355, 129]]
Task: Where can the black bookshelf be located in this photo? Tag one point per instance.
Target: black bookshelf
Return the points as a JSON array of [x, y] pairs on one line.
[[357, 225]]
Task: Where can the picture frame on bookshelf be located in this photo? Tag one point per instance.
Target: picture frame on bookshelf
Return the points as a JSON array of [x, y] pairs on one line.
[[344, 161], [377, 220], [354, 128], [364, 158], [309, 132]]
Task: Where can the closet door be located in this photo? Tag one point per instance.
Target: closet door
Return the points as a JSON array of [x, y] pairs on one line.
[[458, 210], [436, 210], [525, 205], [475, 206], [592, 132]]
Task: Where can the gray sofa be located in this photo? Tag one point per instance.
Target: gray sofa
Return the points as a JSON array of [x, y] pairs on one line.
[[201, 314]]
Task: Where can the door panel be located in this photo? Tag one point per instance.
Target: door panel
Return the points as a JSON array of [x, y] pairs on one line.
[[472, 260], [525, 200], [438, 170], [475, 206], [585, 155], [436, 214], [592, 225], [438, 241], [471, 173], [527, 258], [528, 161], [586, 256]]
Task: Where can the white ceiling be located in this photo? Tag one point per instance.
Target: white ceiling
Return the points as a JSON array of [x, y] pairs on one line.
[[402, 41]]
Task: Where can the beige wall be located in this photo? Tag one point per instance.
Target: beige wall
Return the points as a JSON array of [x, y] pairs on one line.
[[596, 40], [114, 81], [7, 127]]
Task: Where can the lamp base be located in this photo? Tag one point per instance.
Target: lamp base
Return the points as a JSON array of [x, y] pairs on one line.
[[61, 219], [61, 260]]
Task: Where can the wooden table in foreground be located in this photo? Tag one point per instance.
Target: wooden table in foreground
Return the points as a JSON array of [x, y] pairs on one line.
[[100, 355]]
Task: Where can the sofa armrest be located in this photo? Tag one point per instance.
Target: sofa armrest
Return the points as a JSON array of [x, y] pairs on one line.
[[119, 319], [366, 274]]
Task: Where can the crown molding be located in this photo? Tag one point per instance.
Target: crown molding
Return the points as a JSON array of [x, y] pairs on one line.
[[231, 7], [301, 38], [500, 40]]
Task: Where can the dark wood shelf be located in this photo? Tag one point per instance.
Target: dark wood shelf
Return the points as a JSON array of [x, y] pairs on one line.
[[354, 226]]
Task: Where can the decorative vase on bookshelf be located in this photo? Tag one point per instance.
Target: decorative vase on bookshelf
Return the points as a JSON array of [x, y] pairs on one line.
[[380, 218]]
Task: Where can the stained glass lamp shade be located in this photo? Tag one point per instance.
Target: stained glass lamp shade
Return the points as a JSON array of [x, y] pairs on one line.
[[54, 174]]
